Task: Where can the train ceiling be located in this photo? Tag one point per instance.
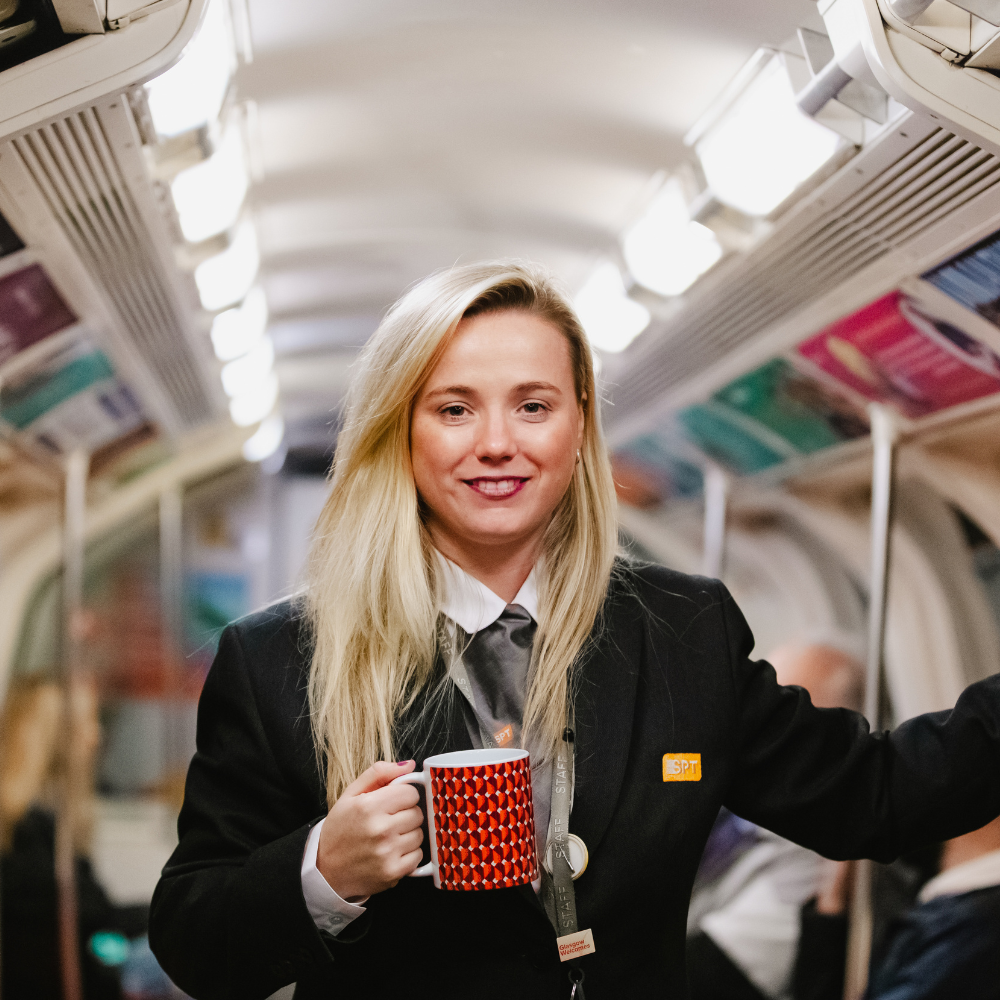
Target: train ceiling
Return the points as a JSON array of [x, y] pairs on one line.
[[394, 139]]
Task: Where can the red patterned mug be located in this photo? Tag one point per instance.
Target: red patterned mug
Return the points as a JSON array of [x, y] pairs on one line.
[[480, 817]]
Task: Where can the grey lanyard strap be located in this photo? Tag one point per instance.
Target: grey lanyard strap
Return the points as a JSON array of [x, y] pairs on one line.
[[563, 911]]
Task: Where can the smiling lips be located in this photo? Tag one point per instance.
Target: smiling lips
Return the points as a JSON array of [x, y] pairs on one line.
[[496, 489]]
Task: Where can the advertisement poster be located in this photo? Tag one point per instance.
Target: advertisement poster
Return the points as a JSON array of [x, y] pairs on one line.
[[732, 439], [973, 279], [806, 413], [30, 309], [71, 399], [890, 352], [771, 414]]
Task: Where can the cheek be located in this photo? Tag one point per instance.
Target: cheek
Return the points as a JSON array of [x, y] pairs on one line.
[[432, 455]]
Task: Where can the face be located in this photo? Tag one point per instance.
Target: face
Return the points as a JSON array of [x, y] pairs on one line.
[[495, 433]]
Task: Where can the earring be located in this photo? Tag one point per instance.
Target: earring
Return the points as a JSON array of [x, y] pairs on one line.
[[577, 456]]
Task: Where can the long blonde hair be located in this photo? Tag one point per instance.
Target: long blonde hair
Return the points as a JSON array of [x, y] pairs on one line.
[[371, 601]]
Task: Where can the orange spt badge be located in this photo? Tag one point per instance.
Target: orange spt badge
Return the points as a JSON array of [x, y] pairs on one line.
[[682, 767], [504, 736]]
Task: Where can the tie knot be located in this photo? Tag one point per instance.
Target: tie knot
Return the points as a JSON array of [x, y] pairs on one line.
[[515, 614]]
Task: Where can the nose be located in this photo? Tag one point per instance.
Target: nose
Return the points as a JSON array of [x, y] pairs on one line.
[[495, 442]]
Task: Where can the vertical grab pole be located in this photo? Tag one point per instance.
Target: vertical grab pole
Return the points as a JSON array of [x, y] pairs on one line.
[[884, 437], [716, 496], [74, 542], [171, 598]]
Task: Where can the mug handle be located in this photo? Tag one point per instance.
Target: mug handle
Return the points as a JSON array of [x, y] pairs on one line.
[[420, 778]]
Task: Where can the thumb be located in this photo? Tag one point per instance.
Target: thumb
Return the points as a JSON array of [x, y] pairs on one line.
[[378, 776]]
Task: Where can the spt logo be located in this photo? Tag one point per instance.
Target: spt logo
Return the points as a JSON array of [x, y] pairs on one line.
[[682, 767]]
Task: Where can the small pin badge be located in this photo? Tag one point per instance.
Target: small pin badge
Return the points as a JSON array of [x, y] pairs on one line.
[[682, 767], [504, 736], [577, 855]]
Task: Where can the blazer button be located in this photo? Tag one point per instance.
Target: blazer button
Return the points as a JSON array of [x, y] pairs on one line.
[[304, 956]]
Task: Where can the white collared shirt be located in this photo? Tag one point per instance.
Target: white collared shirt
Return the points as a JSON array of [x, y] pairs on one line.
[[979, 873], [472, 606]]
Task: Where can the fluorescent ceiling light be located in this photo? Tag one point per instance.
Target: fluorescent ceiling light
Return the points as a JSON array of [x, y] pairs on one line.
[[611, 319], [244, 374], [191, 92], [763, 147], [226, 278], [209, 195], [256, 405], [665, 251], [236, 331], [266, 440]]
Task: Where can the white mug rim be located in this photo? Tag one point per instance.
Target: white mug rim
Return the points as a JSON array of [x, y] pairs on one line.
[[474, 758]]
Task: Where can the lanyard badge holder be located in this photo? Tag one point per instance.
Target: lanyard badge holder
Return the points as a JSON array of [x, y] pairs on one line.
[[558, 894]]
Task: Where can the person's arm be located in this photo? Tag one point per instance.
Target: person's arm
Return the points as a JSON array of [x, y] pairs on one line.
[[328, 910], [230, 918], [817, 777]]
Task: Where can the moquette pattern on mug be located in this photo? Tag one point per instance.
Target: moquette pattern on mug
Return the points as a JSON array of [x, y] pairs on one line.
[[485, 825]]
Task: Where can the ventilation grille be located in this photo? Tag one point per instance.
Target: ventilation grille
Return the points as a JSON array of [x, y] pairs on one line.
[[73, 163], [935, 178]]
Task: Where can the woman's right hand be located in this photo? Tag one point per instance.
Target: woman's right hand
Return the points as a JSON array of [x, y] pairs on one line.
[[371, 837]]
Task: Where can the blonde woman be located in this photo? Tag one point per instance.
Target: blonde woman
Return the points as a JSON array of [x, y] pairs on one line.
[[471, 498]]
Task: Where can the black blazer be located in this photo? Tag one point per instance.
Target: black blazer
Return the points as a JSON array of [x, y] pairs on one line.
[[669, 672]]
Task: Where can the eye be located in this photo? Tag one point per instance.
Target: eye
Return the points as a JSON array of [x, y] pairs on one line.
[[534, 409], [455, 410]]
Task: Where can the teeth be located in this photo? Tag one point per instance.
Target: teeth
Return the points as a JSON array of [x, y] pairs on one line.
[[497, 487]]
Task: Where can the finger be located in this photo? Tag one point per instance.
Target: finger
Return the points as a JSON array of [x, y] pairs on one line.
[[378, 776], [405, 821], [394, 798], [409, 842], [410, 862]]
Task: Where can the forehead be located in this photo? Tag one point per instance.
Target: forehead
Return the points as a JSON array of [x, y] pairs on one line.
[[498, 346]]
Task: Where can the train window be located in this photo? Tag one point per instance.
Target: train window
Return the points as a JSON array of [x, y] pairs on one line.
[[985, 560], [10, 242]]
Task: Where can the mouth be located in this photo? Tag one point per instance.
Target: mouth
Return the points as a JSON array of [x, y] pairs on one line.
[[496, 489]]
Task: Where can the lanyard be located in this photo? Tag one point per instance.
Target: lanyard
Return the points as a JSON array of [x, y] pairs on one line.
[[558, 893]]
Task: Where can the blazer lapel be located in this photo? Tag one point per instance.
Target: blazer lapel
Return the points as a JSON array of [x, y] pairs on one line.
[[604, 707]]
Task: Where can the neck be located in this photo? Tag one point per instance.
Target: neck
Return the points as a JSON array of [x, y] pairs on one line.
[[971, 845], [501, 568]]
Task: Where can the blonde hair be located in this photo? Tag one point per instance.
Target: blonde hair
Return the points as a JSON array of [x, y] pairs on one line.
[[35, 757], [370, 604]]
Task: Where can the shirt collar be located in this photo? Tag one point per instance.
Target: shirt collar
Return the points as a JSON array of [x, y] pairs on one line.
[[979, 873], [471, 604]]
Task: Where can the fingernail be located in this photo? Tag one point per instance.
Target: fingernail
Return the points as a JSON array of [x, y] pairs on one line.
[[402, 763]]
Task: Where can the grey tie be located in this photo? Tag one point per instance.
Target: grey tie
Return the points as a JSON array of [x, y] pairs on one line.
[[497, 661]]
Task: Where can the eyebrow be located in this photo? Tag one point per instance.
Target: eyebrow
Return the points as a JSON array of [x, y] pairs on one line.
[[451, 390], [518, 390], [536, 387]]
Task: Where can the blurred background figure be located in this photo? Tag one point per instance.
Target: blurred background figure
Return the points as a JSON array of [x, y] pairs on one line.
[[944, 946], [743, 925], [35, 763]]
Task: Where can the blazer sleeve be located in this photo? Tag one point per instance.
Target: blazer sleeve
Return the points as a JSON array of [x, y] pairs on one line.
[[820, 778], [228, 918]]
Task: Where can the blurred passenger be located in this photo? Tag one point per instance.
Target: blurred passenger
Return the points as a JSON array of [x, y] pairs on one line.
[[33, 761], [743, 925], [943, 947]]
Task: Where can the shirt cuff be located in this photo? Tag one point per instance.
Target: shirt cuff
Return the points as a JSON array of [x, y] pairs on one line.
[[330, 913]]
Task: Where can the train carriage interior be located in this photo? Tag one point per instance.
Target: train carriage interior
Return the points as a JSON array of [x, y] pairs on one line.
[[779, 223]]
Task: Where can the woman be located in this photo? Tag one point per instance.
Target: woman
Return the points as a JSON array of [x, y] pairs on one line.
[[32, 764], [471, 492]]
